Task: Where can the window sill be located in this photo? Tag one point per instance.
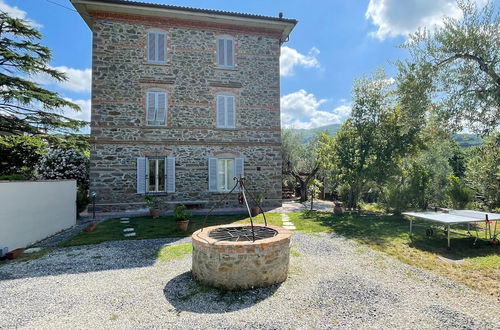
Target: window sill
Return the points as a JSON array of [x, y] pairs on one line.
[[159, 193], [227, 68], [155, 63], [226, 128]]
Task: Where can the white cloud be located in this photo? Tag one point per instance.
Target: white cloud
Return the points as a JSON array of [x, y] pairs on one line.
[[291, 58], [77, 80], [302, 110], [396, 17], [18, 13], [84, 114]]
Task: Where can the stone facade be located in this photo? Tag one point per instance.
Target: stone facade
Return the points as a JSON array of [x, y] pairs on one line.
[[243, 264], [120, 134]]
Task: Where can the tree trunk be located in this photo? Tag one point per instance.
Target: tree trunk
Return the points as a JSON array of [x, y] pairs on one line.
[[303, 183]]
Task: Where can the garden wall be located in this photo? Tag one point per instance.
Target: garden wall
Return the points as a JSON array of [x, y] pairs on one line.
[[33, 210]]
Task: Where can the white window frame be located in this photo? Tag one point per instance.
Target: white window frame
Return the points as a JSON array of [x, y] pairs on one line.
[[156, 92], [157, 175], [227, 124], [157, 33], [224, 64], [229, 182]]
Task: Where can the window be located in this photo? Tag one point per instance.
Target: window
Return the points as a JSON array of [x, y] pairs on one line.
[[155, 174], [222, 171], [225, 52], [156, 46], [225, 111], [156, 112], [225, 174]]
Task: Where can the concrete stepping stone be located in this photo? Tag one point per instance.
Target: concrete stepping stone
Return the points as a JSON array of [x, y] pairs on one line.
[[124, 218], [129, 235], [124, 221], [128, 230], [287, 224], [33, 250]]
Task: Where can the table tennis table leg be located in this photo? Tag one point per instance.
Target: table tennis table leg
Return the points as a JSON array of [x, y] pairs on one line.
[[411, 221], [448, 232]]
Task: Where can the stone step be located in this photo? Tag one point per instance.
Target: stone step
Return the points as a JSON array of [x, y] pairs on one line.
[[128, 230], [129, 235], [124, 221], [292, 227]]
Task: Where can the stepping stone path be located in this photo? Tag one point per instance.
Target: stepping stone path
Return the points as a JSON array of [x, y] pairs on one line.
[[287, 224], [127, 232]]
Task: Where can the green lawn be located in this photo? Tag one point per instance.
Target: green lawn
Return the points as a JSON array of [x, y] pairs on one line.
[[390, 234], [145, 227]]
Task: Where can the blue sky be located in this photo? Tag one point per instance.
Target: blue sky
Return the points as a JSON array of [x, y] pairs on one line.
[[334, 42]]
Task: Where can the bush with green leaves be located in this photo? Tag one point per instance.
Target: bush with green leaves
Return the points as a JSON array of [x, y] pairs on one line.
[[483, 171], [20, 154], [459, 194]]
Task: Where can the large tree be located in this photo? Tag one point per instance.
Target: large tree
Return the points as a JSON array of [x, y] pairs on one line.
[[368, 146], [25, 107], [459, 63]]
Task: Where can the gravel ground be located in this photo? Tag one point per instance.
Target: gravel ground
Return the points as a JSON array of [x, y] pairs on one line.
[[333, 283]]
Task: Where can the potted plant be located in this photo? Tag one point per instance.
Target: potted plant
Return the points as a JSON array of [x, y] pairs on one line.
[[181, 214], [259, 198], [153, 203]]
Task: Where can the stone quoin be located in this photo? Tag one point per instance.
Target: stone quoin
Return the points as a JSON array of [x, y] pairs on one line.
[[182, 99]]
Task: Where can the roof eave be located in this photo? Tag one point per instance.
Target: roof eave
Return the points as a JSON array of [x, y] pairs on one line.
[[283, 26]]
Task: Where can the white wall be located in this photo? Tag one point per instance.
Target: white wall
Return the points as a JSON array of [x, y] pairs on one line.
[[33, 210]]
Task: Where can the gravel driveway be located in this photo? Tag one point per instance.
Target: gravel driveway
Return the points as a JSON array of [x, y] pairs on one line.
[[333, 283]]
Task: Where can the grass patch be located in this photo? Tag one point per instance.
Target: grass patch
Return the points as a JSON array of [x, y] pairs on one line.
[[172, 252], [390, 234], [145, 227], [294, 252]]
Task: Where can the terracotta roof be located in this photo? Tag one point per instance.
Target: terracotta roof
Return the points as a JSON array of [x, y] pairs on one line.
[[195, 10]]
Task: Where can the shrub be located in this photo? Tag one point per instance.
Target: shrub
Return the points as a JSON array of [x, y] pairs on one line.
[[181, 213], [459, 194], [65, 164], [20, 154]]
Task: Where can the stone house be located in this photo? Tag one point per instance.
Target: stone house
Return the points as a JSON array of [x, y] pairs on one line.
[[183, 100]]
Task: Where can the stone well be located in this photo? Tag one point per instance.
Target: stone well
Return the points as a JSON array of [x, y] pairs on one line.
[[240, 265]]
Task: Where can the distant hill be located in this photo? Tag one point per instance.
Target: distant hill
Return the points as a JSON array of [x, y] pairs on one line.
[[464, 140], [310, 133]]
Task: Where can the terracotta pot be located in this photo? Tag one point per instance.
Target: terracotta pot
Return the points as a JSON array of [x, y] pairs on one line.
[[154, 213], [255, 211], [182, 225], [90, 228], [14, 253]]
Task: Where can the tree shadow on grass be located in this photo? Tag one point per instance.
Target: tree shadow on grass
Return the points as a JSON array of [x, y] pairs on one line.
[[389, 231], [185, 294]]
